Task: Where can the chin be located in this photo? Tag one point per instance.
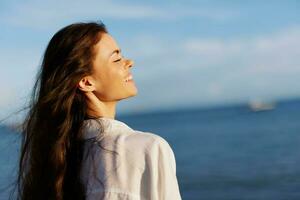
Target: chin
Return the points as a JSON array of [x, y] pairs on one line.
[[131, 94], [134, 94]]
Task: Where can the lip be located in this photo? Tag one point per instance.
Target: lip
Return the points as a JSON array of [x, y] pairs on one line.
[[128, 76]]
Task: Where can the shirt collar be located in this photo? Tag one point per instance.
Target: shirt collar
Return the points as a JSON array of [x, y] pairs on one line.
[[95, 127]]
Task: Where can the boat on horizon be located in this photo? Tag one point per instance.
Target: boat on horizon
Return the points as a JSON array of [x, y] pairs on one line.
[[257, 106]]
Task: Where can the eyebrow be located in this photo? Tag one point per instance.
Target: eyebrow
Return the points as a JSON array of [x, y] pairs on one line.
[[115, 51]]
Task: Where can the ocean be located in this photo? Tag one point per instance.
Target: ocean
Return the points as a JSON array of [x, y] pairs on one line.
[[223, 153]]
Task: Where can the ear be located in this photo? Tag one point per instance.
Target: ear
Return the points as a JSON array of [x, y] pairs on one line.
[[86, 84]]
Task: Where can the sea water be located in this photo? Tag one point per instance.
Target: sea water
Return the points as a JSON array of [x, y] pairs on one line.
[[224, 153]]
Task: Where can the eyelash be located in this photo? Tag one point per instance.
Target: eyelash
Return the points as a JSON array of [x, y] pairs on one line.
[[117, 60]]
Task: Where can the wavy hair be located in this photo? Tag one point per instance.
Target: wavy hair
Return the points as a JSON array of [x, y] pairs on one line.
[[51, 149]]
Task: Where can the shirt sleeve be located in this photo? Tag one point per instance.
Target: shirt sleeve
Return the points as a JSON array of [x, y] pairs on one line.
[[160, 161]]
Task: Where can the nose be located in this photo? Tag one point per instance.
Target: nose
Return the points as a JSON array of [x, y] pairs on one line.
[[129, 63]]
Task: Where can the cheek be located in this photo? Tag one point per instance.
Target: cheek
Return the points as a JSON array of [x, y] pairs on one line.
[[113, 79], [116, 75]]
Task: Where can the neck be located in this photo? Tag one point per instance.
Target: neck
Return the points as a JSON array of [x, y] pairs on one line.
[[102, 109]]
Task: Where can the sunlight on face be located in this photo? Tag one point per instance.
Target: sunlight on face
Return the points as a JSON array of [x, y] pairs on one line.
[[111, 71]]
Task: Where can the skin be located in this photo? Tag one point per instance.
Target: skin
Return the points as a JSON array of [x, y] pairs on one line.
[[107, 85]]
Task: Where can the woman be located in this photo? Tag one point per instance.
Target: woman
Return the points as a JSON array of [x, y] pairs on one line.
[[73, 147]]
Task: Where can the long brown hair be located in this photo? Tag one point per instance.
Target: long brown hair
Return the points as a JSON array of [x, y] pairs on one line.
[[51, 149]]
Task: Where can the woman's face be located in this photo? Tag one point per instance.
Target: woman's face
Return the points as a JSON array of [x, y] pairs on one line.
[[111, 71]]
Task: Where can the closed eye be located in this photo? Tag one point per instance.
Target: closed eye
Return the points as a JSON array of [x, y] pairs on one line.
[[117, 60]]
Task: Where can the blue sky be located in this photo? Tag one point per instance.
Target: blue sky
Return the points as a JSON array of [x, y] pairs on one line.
[[186, 53]]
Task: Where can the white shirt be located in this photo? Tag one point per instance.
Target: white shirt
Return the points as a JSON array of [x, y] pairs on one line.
[[144, 167]]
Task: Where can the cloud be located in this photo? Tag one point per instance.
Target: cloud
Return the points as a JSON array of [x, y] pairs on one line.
[[208, 71], [169, 72], [275, 53], [18, 69], [42, 15]]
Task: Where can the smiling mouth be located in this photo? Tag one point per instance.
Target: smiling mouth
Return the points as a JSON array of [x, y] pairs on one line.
[[129, 78]]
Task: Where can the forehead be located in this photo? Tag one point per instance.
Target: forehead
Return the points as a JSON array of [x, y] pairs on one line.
[[106, 45]]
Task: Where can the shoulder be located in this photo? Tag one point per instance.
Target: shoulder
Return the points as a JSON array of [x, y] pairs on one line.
[[157, 151], [148, 145], [155, 145], [148, 140], [135, 148]]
